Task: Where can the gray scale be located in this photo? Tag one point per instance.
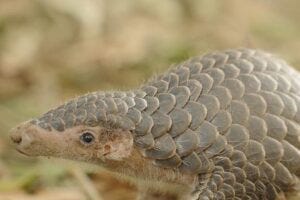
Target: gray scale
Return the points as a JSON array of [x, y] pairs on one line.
[[292, 135], [135, 115], [284, 85], [163, 148], [207, 134], [161, 124], [267, 82], [216, 147], [222, 161], [149, 90], [290, 157], [257, 128], [217, 74], [297, 100], [191, 164], [140, 104], [220, 59], [186, 143], [198, 113], [124, 122], [237, 136], [207, 62], [122, 107], [276, 127], [245, 66], [121, 95], [272, 65], [195, 88], [182, 95], [232, 54], [195, 68], [212, 105], [238, 159], [273, 149], [274, 102], [152, 104], [239, 112], [173, 80], [258, 63], [252, 83], [145, 125], [235, 86], [184, 74], [230, 71], [205, 80], [222, 121], [256, 104], [290, 107], [129, 101], [145, 141], [255, 152], [169, 162], [231, 118], [167, 102], [162, 86], [267, 172], [223, 94], [111, 105], [240, 174], [181, 119]]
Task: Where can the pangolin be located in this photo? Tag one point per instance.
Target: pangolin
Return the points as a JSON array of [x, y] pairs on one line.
[[225, 125]]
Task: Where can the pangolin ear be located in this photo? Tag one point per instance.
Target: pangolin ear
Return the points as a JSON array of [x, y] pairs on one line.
[[119, 146]]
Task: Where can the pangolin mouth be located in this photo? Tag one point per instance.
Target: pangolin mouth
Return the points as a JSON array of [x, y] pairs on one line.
[[22, 136], [16, 137], [22, 152]]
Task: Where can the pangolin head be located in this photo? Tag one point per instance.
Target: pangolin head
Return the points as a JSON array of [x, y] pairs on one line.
[[76, 130]]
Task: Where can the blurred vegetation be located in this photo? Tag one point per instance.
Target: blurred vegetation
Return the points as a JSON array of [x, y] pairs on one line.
[[51, 50]]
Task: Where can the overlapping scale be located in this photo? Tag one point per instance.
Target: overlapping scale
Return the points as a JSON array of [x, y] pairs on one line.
[[231, 117], [161, 124], [212, 105], [205, 80], [186, 143], [223, 95], [236, 87], [181, 120], [167, 102], [182, 95], [164, 147], [195, 88], [198, 113]]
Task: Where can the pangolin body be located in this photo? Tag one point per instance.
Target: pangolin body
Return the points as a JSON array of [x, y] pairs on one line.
[[231, 119]]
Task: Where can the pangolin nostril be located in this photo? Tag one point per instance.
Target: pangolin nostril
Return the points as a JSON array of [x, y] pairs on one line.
[[16, 138]]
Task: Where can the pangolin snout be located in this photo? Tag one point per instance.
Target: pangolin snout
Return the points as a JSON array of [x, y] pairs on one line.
[[22, 136], [32, 140], [16, 136]]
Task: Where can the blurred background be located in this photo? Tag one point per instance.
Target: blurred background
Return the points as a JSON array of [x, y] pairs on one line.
[[52, 50]]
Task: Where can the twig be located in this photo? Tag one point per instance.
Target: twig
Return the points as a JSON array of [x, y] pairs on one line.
[[86, 183]]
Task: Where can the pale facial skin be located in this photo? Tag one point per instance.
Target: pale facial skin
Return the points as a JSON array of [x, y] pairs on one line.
[[89, 144]]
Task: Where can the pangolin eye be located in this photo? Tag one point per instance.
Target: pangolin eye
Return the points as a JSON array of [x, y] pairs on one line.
[[87, 137]]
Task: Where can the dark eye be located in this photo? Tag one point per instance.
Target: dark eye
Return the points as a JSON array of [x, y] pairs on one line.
[[87, 138]]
